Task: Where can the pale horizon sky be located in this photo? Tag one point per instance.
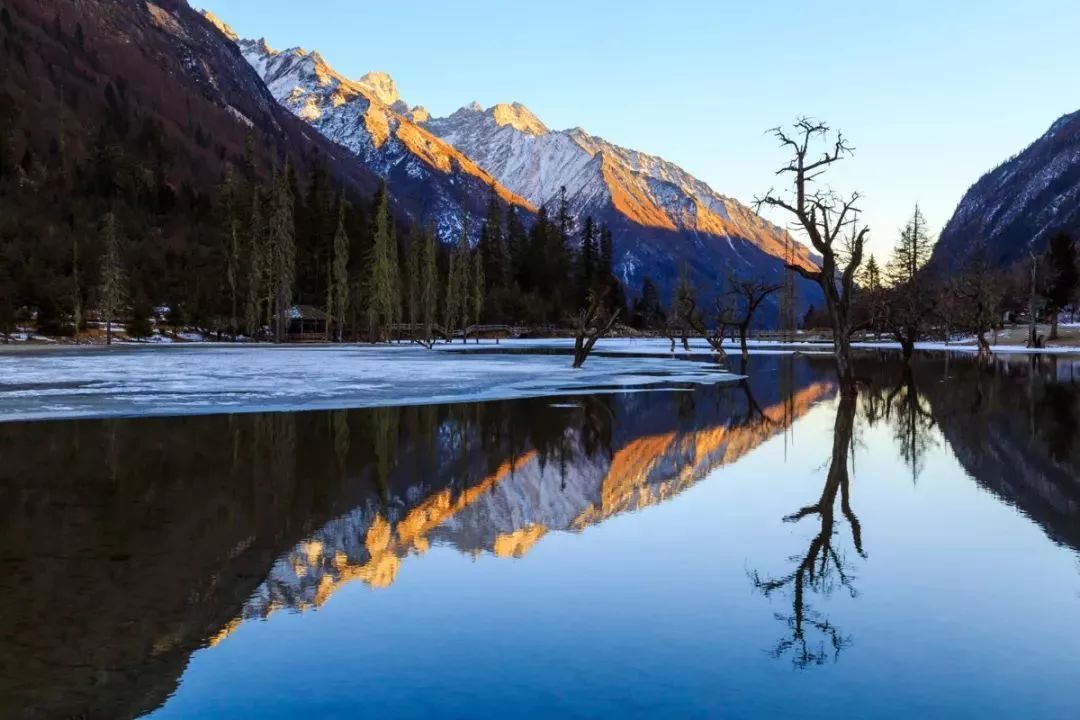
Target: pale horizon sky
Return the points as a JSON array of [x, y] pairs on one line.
[[931, 94]]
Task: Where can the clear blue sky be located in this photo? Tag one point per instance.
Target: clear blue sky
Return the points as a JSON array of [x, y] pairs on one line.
[[932, 94]]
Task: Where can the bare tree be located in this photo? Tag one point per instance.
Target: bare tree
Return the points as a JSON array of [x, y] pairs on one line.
[[592, 323], [713, 335], [829, 220], [748, 294], [683, 313], [978, 295]]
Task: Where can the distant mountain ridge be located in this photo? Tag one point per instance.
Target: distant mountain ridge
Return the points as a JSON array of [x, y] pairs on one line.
[[661, 217], [1018, 205], [368, 117]]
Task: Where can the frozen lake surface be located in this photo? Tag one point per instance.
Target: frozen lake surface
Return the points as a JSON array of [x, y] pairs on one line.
[[197, 379]]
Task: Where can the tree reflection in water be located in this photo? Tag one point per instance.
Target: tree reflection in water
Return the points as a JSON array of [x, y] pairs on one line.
[[812, 638], [1011, 424]]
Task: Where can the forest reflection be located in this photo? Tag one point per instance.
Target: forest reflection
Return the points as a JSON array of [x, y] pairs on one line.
[[130, 543], [1025, 453]]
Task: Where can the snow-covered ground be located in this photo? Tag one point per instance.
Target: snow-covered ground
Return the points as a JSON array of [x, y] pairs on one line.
[[57, 382], [662, 348]]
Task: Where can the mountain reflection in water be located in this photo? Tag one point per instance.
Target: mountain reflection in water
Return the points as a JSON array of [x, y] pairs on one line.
[[129, 544]]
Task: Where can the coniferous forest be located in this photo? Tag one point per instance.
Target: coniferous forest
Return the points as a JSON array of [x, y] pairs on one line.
[[120, 209]]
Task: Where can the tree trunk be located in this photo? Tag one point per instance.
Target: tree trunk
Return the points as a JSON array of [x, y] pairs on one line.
[[907, 347], [108, 331], [742, 341], [1054, 326]]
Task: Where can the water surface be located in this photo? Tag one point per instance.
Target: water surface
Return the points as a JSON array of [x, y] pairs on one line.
[[757, 549]]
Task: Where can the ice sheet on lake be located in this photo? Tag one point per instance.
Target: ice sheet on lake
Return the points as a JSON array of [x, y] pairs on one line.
[[172, 380]]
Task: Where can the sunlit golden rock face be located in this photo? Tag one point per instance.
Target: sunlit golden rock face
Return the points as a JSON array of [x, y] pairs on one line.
[[683, 459], [366, 116], [519, 542]]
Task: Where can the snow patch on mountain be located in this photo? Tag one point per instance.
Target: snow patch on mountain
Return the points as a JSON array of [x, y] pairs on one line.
[[368, 117], [521, 152]]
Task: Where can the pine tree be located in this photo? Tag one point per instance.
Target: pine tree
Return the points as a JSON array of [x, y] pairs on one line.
[[111, 282], [282, 241], [647, 309], [412, 279], [589, 258], [458, 285], [76, 287], [872, 291], [429, 280], [478, 292], [517, 241], [912, 252], [138, 323], [232, 249], [258, 264], [912, 301], [494, 254], [395, 276], [607, 266], [1063, 280], [339, 279], [381, 268]]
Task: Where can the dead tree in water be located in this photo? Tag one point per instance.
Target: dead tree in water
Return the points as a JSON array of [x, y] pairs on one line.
[[683, 309], [592, 323], [825, 217], [715, 335], [750, 293]]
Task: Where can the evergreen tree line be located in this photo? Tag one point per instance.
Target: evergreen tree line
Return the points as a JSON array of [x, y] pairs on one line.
[[107, 239]]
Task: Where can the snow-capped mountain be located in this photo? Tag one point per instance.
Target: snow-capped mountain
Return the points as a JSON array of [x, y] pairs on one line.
[[661, 217], [660, 213], [368, 117], [1019, 204]]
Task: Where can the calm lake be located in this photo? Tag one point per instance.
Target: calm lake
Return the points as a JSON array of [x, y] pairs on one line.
[[763, 548]]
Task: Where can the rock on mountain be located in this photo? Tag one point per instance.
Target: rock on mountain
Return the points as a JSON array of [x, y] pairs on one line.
[[367, 116], [1019, 204], [660, 215]]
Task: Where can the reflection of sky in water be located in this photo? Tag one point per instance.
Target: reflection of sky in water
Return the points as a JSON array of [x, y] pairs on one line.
[[964, 609]]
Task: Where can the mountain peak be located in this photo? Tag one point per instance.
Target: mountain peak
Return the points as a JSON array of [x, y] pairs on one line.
[[221, 25], [382, 86], [518, 117]]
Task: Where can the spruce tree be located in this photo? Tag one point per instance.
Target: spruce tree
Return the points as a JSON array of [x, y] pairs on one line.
[[517, 241], [458, 284], [492, 246], [340, 272], [381, 277], [1063, 280], [111, 276], [412, 279], [478, 292], [76, 287], [912, 300], [589, 257], [912, 252], [606, 252], [232, 248], [282, 251], [429, 280], [258, 264]]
